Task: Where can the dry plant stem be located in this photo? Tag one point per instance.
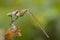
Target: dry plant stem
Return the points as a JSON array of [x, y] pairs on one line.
[[39, 24]]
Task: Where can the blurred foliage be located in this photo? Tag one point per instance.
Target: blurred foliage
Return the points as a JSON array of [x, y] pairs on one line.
[[46, 11]]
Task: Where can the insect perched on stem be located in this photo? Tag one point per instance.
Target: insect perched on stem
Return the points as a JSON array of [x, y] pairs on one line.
[[21, 13]]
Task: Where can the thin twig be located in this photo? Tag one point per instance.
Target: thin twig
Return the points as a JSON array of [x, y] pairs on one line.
[[39, 24]]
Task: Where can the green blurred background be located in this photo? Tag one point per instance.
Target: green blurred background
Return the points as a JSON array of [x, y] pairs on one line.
[[46, 11]]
